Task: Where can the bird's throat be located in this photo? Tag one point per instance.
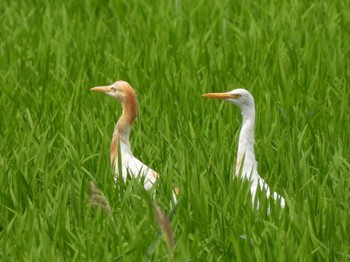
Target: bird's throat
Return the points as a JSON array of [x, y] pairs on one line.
[[129, 111], [245, 155], [122, 130]]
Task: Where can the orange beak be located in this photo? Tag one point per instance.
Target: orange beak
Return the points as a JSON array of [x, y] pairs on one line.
[[101, 89], [218, 95]]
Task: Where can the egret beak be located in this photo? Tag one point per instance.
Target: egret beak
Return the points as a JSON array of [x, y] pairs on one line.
[[103, 89], [218, 95]]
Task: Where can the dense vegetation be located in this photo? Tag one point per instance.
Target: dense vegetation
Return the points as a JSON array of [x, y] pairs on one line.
[[294, 56]]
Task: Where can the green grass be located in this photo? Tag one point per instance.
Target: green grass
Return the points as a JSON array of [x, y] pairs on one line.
[[294, 57]]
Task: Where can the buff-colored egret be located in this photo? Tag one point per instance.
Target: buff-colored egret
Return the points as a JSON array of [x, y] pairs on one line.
[[246, 165], [125, 94]]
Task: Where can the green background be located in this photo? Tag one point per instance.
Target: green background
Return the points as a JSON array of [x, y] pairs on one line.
[[294, 57]]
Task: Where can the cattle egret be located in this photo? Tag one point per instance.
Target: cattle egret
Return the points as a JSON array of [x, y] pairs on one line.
[[125, 94], [245, 155]]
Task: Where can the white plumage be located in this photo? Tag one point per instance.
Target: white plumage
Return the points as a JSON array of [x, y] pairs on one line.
[[134, 167], [246, 164]]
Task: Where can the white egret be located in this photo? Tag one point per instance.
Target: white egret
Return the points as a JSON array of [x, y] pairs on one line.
[[245, 155]]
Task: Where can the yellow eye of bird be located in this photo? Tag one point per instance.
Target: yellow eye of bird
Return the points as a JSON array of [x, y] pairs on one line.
[[238, 95], [113, 88]]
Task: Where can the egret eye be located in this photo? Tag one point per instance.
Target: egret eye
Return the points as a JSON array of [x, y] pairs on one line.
[[114, 89], [238, 95]]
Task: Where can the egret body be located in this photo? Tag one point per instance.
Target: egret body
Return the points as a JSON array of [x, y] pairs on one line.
[[125, 94], [246, 164]]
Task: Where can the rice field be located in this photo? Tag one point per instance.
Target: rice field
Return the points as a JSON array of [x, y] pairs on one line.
[[293, 56]]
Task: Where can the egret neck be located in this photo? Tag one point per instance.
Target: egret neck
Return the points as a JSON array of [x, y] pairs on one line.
[[122, 129], [245, 154]]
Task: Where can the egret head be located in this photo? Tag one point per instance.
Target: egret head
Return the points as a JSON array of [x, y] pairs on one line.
[[239, 97], [120, 90]]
